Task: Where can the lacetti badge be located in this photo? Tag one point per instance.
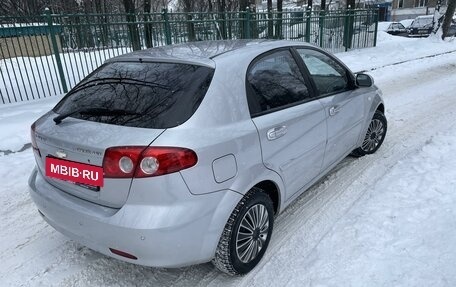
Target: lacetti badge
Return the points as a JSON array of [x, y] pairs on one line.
[[74, 171]]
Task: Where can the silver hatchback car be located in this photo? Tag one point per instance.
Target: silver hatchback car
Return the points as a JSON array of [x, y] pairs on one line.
[[184, 154]]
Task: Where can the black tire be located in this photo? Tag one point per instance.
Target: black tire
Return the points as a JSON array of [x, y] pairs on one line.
[[373, 140], [226, 257]]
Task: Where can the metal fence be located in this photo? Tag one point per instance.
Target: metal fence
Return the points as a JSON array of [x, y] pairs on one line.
[[48, 54]]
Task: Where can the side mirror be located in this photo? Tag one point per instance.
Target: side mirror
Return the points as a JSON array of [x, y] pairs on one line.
[[364, 80]]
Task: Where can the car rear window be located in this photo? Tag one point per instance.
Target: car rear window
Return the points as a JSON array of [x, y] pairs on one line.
[[153, 95]]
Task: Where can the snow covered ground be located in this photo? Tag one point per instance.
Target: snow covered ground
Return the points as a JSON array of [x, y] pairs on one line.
[[388, 219]]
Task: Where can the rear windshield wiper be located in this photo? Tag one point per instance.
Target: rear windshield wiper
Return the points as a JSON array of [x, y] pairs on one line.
[[95, 112]]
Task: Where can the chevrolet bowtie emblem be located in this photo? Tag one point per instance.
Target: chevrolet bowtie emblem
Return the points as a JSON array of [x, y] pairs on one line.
[[60, 154]]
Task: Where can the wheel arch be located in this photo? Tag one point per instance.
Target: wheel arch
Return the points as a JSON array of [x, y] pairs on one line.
[[381, 108], [267, 180], [272, 190], [376, 105]]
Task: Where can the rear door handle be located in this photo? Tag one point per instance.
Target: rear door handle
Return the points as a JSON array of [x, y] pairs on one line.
[[276, 133], [334, 110]]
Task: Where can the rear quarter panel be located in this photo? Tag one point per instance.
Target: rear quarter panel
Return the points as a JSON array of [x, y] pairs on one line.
[[222, 128]]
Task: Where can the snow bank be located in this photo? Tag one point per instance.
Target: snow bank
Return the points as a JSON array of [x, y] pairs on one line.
[[394, 49], [16, 119]]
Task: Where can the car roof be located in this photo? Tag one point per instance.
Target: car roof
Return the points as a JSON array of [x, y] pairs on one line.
[[203, 52]]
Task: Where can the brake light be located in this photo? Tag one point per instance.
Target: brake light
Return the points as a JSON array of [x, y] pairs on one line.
[[141, 161], [33, 139]]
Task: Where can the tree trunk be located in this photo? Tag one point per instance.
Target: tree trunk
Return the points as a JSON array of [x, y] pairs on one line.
[[129, 6], [279, 19], [448, 17], [243, 4], [323, 5], [103, 22], [350, 22], [188, 7], [221, 8], [87, 29], [147, 24], [270, 20]]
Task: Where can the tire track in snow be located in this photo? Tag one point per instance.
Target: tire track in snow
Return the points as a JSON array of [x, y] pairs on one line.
[[406, 61]]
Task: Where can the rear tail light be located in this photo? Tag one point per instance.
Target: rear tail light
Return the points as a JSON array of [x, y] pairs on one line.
[[141, 161], [33, 140]]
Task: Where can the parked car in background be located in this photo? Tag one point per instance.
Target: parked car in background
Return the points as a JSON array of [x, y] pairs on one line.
[[184, 154], [406, 22], [421, 26], [393, 28]]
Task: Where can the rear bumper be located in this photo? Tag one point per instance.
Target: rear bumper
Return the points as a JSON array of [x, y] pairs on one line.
[[173, 233]]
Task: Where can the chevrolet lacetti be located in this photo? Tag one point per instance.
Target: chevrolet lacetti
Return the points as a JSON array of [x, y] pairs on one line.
[[184, 154]]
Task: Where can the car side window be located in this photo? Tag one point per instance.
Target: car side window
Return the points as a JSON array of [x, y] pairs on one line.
[[329, 76], [275, 81]]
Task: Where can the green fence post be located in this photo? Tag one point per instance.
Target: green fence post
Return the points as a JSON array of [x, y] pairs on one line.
[[308, 23], [376, 26], [55, 49], [321, 22], [351, 20], [270, 24], [166, 26], [346, 23], [247, 23]]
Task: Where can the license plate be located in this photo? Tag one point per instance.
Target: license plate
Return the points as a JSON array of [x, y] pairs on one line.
[[74, 171]]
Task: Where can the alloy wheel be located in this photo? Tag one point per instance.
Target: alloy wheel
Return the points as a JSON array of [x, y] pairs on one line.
[[252, 233], [374, 135]]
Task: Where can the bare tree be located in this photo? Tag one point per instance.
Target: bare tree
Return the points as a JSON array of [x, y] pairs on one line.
[[188, 8], [130, 9], [25, 8], [351, 21], [448, 17], [36, 7], [147, 24], [100, 8], [270, 20], [221, 8], [279, 19], [243, 4]]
